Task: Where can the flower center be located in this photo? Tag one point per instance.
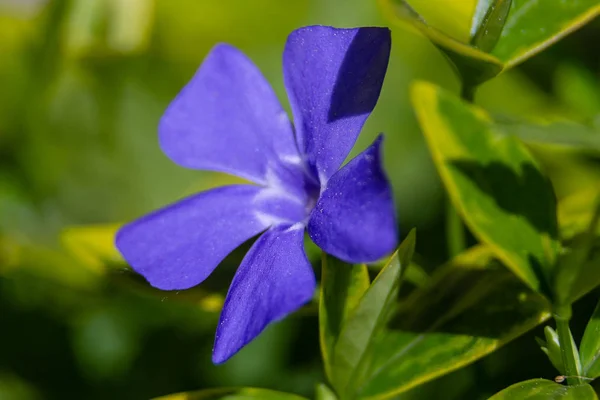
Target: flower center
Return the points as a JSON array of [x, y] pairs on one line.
[[289, 197]]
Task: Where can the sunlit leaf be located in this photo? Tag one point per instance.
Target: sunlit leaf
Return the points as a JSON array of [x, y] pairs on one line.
[[451, 17], [351, 355], [533, 25], [468, 309], [324, 393], [524, 33], [541, 389], [589, 351], [342, 286], [489, 30], [232, 394], [575, 212], [472, 65], [493, 182]]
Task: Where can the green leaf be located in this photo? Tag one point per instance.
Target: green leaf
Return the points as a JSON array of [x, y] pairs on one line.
[[532, 26], [489, 31], [324, 393], [342, 286], [573, 269], [575, 212], [552, 349], [232, 394], [493, 182], [351, 354], [468, 309], [542, 389], [451, 17], [589, 352], [472, 65], [565, 133], [523, 34]]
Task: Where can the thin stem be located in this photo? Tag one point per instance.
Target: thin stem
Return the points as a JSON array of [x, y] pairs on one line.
[[467, 92], [455, 232], [562, 315]]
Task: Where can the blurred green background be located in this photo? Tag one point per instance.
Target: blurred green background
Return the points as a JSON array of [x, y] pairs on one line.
[[82, 86]]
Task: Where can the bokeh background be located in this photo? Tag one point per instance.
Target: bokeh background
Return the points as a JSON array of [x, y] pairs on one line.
[[83, 84]]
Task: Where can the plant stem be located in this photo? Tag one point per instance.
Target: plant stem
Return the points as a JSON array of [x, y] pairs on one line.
[[455, 233], [562, 315], [467, 92]]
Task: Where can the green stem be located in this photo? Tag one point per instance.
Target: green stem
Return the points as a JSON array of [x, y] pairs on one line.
[[455, 232], [562, 315], [467, 92]]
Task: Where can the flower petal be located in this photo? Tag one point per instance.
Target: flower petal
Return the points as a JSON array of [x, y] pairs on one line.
[[274, 279], [228, 119], [333, 78], [354, 219], [179, 246]]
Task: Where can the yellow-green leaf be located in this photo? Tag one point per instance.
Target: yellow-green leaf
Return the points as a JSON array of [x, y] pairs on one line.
[[472, 65], [542, 389], [493, 182], [533, 25], [530, 27], [451, 17], [342, 286], [488, 32], [468, 309], [351, 355], [324, 393]]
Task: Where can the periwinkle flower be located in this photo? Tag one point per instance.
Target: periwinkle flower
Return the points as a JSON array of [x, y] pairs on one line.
[[228, 119]]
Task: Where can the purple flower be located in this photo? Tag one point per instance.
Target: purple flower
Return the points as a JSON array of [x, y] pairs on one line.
[[228, 119]]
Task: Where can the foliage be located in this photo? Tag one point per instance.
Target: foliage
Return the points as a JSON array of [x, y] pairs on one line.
[[84, 84]]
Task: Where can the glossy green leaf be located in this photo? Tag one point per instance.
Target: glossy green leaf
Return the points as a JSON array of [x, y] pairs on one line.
[[472, 65], [324, 393], [468, 309], [351, 354], [542, 389], [493, 182], [232, 394], [524, 32], [488, 32], [589, 352], [342, 286], [533, 25]]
